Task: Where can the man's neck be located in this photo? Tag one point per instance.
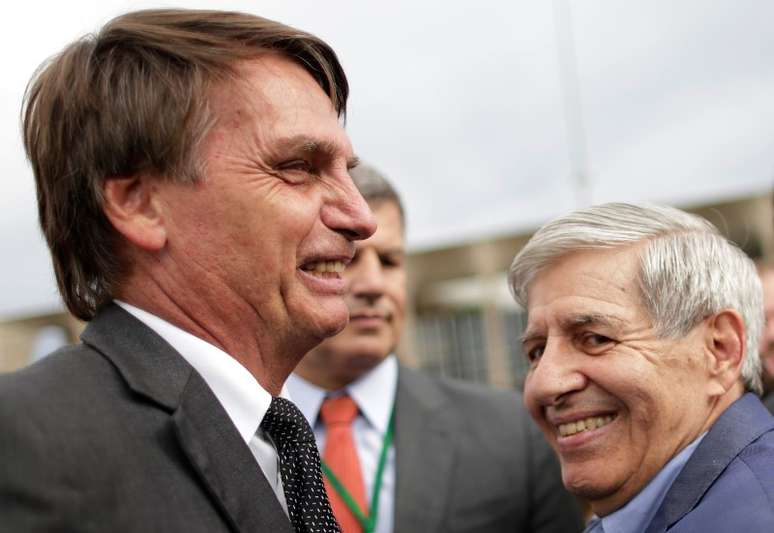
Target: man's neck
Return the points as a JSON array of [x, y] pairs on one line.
[[238, 338], [324, 380]]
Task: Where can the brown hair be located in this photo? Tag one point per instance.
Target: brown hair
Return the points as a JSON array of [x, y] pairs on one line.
[[134, 99]]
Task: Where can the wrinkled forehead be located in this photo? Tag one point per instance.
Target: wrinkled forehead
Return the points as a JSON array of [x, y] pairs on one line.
[[274, 109], [265, 85], [587, 281]]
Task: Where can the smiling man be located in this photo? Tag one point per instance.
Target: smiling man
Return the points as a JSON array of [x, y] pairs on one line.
[[193, 186], [406, 452], [642, 337]]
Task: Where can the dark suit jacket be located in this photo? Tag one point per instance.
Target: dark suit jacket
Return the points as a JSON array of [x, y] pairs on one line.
[[121, 434], [728, 483], [469, 459], [768, 401]]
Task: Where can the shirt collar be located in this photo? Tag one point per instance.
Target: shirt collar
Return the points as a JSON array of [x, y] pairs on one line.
[[374, 394], [240, 394], [637, 514]]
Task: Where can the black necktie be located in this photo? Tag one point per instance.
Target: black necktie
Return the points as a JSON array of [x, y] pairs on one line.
[[308, 505]]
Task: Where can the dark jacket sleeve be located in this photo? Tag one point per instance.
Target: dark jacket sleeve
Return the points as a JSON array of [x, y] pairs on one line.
[[33, 495]]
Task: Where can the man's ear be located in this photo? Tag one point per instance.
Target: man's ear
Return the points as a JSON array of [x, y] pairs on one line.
[[131, 205], [726, 344]]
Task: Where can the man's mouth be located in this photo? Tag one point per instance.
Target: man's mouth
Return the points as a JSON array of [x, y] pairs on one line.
[[325, 269], [369, 314], [583, 424]]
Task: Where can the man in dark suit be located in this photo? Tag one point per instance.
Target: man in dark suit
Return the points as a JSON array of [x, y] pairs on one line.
[[193, 187], [642, 337], [425, 454]]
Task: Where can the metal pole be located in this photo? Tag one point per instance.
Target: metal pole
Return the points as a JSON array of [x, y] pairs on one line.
[[570, 86]]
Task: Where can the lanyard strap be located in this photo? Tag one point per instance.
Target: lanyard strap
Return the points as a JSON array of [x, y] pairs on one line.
[[367, 522]]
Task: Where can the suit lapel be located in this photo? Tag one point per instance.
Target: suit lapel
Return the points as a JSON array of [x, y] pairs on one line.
[[225, 463], [743, 422], [424, 453], [217, 453]]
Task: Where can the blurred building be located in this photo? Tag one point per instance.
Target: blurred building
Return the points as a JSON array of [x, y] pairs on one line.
[[462, 320], [26, 339]]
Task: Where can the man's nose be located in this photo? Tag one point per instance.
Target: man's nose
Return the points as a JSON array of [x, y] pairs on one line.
[[346, 212], [367, 280], [556, 374]]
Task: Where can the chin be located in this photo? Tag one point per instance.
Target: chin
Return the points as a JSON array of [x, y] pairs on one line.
[[587, 487], [326, 321], [332, 327]]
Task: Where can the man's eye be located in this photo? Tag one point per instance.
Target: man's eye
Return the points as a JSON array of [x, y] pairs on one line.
[[594, 341], [534, 353], [389, 261], [296, 164]]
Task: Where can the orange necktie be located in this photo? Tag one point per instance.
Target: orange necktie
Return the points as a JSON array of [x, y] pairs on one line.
[[341, 457]]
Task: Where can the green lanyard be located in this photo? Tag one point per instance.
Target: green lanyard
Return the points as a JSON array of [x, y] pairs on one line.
[[367, 522]]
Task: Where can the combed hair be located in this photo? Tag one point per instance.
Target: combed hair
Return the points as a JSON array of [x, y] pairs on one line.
[[376, 188], [131, 99], [688, 271]]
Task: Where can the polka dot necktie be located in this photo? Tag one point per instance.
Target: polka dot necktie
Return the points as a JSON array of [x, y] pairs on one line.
[[308, 506]]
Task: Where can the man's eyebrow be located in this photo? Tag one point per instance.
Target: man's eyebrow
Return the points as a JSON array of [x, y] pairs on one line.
[[591, 319], [311, 145], [577, 321], [530, 335], [398, 250]]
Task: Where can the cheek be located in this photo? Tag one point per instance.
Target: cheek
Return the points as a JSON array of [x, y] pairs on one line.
[[397, 292], [651, 411], [534, 409]]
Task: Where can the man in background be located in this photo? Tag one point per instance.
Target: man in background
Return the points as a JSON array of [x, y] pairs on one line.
[[642, 337], [406, 452], [766, 348], [193, 187]]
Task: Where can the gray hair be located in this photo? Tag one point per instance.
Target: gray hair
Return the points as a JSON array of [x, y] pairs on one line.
[[688, 270], [375, 188]]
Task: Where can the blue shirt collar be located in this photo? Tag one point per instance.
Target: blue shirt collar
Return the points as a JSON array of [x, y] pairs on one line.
[[637, 514]]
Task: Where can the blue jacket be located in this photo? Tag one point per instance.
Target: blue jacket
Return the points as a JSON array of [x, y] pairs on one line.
[[728, 483]]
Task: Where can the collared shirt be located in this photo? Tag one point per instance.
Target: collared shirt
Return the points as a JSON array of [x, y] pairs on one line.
[[241, 396], [636, 515], [374, 394]]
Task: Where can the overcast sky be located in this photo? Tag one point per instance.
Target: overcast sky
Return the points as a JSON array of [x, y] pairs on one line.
[[463, 105]]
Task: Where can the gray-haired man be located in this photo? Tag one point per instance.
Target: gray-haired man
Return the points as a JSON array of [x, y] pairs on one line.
[[642, 339]]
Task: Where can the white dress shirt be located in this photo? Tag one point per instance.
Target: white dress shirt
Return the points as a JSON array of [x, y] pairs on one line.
[[241, 396], [374, 394]]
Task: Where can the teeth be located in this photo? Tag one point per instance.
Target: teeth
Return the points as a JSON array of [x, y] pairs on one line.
[[585, 424], [326, 266]]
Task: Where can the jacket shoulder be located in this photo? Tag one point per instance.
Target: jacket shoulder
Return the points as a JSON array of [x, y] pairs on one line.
[[57, 395], [742, 497], [62, 373]]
